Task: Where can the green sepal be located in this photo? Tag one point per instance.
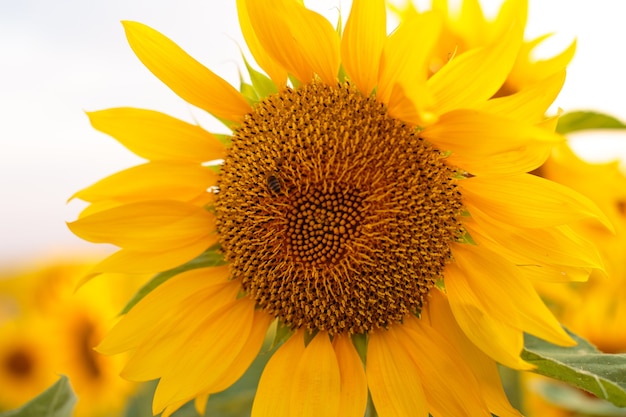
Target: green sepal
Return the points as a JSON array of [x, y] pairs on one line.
[[360, 344], [587, 120], [308, 336], [56, 401], [211, 257], [342, 75], [283, 332], [262, 84], [223, 138], [467, 239], [581, 366], [248, 92], [294, 81]]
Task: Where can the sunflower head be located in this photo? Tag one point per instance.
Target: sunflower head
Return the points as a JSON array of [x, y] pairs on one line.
[[334, 215], [361, 195]]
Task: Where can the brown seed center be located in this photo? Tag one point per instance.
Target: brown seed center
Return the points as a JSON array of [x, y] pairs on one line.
[[334, 215]]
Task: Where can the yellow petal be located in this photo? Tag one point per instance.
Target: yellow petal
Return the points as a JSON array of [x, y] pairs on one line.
[[440, 317], [276, 72], [558, 245], [437, 360], [300, 40], [316, 381], [199, 403], [524, 158], [529, 201], [188, 78], [362, 43], [486, 67], [271, 398], [157, 136], [404, 66], [207, 354], [353, 400], [498, 340], [151, 181], [138, 262], [393, 380], [248, 353], [529, 104], [147, 226], [506, 294], [475, 134], [174, 293]]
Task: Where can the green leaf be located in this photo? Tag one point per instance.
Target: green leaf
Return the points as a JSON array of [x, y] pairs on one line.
[[211, 257], [582, 366], [574, 400], [587, 120], [56, 401]]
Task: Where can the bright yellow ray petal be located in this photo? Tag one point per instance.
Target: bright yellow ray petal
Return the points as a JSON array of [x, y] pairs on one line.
[[404, 66], [172, 408], [524, 158], [486, 67], [362, 43], [476, 134], [157, 136], [138, 262], [470, 23], [188, 78], [558, 245], [529, 201], [529, 104], [393, 380], [276, 72], [199, 403], [511, 11], [131, 330], [146, 226], [439, 315], [316, 381], [503, 289], [300, 40], [498, 340], [177, 180], [248, 353], [208, 354], [353, 401], [437, 360], [271, 399], [162, 343]]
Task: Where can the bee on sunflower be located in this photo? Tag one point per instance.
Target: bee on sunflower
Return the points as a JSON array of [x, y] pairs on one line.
[[363, 200]]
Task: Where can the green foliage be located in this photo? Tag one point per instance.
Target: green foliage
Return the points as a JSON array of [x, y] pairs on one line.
[[587, 120], [582, 366], [57, 401], [211, 257], [576, 401]]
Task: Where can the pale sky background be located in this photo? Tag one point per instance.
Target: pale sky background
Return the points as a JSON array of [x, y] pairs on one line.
[[60, 58]]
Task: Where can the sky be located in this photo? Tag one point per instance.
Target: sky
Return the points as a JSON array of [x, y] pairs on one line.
[[59, 59]]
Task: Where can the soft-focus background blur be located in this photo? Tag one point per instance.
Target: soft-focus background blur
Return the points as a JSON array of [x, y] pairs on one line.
[[60, 58]]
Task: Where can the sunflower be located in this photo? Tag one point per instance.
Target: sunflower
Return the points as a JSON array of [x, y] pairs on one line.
[[25, 361], [53, 329], [467, 27], [361, 201]]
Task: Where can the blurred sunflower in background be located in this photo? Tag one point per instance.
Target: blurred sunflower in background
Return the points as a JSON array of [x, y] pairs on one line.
[[596, 310], [376, 206], [51, 328]]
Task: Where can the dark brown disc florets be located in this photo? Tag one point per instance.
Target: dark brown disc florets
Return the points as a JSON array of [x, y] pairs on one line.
[[334, 215]]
